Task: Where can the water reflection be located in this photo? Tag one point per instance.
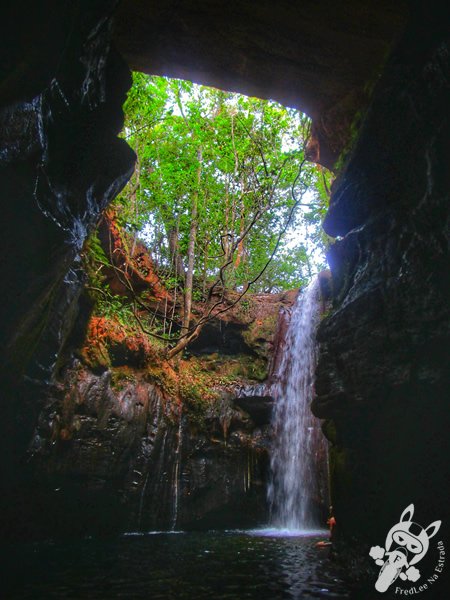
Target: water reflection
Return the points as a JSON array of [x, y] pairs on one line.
[[220, 565], [283, 533]]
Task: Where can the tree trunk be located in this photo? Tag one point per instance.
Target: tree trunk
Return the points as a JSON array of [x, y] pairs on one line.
[[174, 249], [240, 248], [205, 266], [191, 248]]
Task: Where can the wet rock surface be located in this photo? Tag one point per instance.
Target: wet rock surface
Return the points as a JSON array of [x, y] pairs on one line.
[[115, 452], [128, 442], [383, 372], [61, 163], [258, 407]]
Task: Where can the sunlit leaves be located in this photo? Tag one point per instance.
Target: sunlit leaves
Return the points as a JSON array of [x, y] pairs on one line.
[[252, 151]]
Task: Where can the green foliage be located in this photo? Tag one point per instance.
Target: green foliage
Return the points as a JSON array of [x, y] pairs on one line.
[[107, 304], [115, 307], [94, 258], [222, 191], [252, 169]]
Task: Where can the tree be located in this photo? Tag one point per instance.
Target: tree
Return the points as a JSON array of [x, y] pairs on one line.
[[221, 184]]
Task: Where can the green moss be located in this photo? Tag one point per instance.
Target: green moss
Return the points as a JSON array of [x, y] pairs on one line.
[[97, 357], [360, 114], [258, 369], [259, 333], [248, 368], [353, 137], [245, 310], [120, 376], [156, 374]]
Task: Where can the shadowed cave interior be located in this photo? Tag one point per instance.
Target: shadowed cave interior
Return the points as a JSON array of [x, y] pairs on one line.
[[375, 79]]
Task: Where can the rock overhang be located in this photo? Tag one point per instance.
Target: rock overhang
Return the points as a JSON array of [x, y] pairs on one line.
[[321, 58]]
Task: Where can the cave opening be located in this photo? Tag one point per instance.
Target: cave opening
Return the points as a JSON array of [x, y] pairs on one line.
[[195, 261], [224, 199], [75, 433]]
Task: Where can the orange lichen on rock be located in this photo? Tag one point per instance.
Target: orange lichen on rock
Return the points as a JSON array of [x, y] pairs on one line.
[[108, 343], [133, 270]]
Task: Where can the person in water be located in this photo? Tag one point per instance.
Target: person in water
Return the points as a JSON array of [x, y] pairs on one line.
[[331, 522]]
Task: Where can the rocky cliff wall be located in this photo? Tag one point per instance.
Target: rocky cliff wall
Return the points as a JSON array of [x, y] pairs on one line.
[[128, 442], [320, 57], [117, 453], [383, 372], [61, 95]]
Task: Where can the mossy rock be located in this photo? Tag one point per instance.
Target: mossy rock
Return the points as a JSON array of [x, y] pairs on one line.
[[260, 334]]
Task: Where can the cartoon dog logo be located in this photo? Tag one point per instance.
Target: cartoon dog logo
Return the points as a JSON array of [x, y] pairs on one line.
[[406, 544]]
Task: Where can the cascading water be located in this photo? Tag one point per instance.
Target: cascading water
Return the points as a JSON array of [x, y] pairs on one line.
[[176, 477], [299, 446]]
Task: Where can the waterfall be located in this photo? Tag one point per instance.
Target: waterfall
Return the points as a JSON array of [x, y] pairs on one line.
[[298, 445], [176, 478]]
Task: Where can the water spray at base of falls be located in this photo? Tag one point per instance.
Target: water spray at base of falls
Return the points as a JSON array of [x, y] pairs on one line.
[[299, 446]]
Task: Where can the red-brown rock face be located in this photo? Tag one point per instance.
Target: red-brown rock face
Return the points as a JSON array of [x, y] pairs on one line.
[[134, 269]]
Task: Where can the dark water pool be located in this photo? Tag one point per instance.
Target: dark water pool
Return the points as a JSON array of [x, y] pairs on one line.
[[220, 565]]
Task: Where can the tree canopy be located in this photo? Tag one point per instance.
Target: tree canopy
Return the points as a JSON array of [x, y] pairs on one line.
[[222, 194]]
